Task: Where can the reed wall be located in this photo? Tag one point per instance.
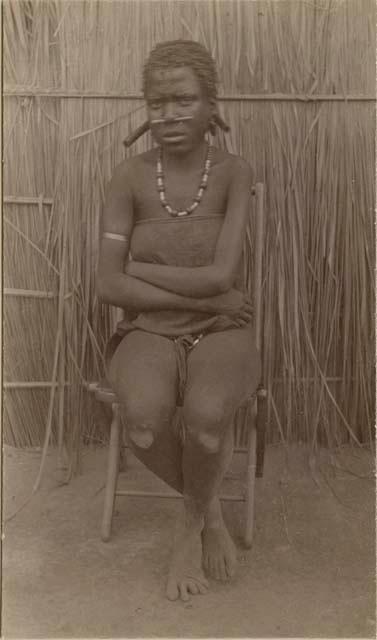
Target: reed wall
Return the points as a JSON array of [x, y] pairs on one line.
[[297, 89]]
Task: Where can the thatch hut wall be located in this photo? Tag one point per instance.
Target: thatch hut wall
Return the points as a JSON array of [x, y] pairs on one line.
[[297, 88]]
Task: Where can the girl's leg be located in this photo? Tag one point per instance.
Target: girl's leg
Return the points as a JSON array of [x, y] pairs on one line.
[[143, 372], [223, 370]]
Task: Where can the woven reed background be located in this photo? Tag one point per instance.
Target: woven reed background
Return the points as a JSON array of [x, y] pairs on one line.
[[316, 158]]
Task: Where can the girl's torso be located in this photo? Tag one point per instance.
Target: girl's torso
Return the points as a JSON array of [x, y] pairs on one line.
[[187, 241]]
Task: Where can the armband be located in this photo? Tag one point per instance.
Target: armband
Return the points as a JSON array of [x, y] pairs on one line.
[[115, 236]]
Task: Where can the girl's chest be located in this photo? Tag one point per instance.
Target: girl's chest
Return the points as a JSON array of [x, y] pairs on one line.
[[180, 192]]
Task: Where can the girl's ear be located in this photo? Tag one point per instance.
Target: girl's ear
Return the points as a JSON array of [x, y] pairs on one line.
[[212, 127], [216, 119], [213, 106], [220, 122], [212, 115]]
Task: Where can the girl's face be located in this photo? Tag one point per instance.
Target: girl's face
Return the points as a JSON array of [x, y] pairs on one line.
[[177, 93]]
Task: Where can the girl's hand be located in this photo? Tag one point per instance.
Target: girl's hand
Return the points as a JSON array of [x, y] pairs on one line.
[[235, 305]]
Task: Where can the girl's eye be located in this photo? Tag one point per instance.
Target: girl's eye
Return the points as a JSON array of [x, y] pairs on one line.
[[185, 100]]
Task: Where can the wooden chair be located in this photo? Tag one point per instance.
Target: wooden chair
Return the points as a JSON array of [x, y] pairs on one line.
[[256, 412]]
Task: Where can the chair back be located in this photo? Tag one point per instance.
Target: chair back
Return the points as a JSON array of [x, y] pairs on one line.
[[259, 226], [255, 236]]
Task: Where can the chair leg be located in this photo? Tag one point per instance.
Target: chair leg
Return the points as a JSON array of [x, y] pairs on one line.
[[122, 459], [112, 474], [261, 419], [250, 482]]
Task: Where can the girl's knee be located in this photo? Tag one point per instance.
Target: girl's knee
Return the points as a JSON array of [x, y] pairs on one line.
[[205, 422], [141, 435], [145, 424]]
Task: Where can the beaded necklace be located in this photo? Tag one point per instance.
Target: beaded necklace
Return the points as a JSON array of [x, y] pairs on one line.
[[161, 186]]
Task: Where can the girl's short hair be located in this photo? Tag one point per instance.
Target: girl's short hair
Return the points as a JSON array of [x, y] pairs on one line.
[[183, 53]]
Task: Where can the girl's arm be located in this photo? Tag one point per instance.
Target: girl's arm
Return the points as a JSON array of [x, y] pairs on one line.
[[220, 275], [124, 291], [132, 294]]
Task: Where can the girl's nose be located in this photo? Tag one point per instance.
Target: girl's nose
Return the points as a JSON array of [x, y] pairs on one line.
[[169, 111]]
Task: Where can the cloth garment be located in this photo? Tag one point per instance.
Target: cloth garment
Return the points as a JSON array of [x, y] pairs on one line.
[[183, 346]]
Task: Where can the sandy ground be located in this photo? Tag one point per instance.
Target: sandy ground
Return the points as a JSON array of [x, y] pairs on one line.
[[310, 572]]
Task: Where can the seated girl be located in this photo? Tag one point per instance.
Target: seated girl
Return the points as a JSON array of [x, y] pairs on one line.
[[180, 211]]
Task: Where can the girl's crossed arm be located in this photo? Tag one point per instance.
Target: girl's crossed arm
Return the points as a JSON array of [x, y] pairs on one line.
[[127, 292], [218, 277]]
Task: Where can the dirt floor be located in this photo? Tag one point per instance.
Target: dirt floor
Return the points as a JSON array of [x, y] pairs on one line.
[[310, 572]]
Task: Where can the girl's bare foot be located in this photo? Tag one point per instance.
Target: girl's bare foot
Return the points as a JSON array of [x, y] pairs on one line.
[[185, 576], [219, 551]]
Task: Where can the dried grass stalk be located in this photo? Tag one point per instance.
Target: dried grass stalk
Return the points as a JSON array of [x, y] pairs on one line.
[[316, 160]]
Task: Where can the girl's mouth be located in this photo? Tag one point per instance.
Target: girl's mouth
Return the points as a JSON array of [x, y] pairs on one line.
[[173, 138]]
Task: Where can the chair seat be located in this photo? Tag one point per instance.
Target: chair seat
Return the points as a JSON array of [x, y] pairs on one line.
[[104, 393]]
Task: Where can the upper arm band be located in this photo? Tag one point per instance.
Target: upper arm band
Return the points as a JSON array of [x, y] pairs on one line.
[[115, 236]]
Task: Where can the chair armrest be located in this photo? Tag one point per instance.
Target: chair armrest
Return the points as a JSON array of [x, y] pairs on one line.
[[104, 393]]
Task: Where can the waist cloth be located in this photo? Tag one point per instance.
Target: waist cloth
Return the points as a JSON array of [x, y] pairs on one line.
[[185, 242]]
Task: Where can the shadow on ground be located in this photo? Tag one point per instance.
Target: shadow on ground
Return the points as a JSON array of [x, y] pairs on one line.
[[309, 573]]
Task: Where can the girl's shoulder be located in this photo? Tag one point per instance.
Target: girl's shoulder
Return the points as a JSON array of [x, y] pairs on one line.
[[229, 163], [132, 170]]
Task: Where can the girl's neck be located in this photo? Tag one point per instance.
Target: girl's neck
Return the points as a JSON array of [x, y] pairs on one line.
[[189, 161]]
